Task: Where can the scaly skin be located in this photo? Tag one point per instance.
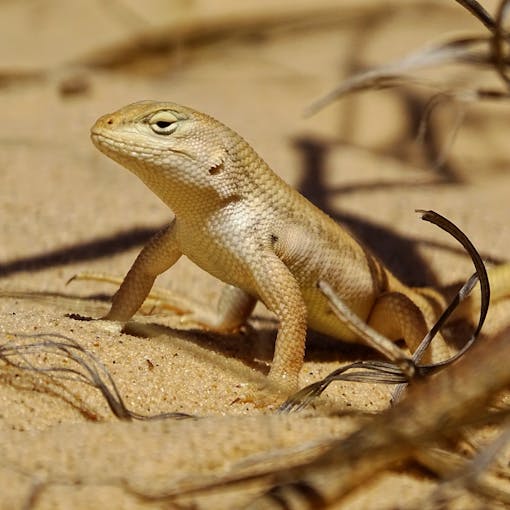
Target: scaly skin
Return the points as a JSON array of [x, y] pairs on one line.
[[237, 220]]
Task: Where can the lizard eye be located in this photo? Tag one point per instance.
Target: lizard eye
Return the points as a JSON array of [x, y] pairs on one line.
[[163, 123]]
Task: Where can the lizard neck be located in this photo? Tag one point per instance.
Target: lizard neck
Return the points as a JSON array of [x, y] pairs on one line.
[[183, 197], [190, 198]]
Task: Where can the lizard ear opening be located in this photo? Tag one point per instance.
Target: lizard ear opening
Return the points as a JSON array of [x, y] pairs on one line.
[[216, 168]]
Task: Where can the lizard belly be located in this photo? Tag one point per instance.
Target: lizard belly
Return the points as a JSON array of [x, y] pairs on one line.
[[322, 318], [224, 265], [220, 254]]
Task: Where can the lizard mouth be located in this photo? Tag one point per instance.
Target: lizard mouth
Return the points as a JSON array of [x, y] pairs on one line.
[[99, 140], [116, 148], [95, 137], [110, 146]]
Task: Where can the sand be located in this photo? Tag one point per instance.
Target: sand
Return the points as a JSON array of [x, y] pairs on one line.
[[67, 209]]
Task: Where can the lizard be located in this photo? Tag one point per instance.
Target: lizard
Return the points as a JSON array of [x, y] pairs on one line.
[[239, 221]]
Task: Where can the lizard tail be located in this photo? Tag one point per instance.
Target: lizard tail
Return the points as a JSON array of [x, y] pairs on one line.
[[499, 280]]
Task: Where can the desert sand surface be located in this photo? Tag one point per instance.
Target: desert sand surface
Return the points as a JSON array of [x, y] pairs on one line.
[[67, 209]]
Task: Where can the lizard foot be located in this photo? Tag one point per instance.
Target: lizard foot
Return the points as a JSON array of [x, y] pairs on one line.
[[110, 326], [105, 324], [266, 393], [260, 397]]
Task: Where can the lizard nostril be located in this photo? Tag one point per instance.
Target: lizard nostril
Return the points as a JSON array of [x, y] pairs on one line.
[[109, 121]]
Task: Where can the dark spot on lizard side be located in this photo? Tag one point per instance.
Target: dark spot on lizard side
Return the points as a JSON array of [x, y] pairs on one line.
[[230, 199], [274, 239], [216, 169]]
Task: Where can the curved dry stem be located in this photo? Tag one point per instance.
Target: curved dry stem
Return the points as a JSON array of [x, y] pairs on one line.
[[87, 368]]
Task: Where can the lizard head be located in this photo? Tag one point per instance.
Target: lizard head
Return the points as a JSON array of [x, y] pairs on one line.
[[163, 143]]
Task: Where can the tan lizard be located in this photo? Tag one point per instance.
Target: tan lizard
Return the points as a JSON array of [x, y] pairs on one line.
[[236, 219]]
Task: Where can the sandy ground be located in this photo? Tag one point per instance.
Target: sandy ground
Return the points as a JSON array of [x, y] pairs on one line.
[[67, 209]]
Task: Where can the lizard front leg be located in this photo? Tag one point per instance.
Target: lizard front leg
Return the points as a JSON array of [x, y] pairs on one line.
[[158, 255]]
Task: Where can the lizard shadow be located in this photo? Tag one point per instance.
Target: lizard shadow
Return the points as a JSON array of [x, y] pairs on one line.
[[250, 347], [254, 346], [400, 254], [93, 249]]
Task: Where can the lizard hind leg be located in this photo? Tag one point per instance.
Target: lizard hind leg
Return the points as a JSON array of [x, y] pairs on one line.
[[234, 307], [397, 317]]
